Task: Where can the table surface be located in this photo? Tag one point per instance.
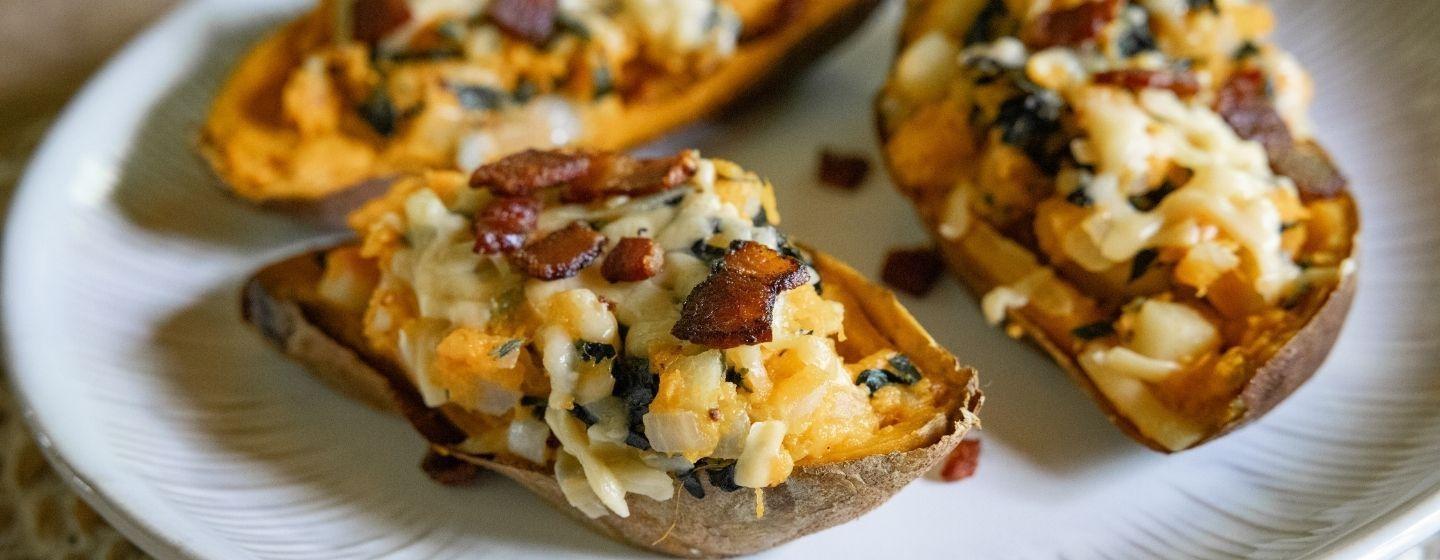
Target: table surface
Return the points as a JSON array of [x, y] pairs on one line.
[[39, 516]]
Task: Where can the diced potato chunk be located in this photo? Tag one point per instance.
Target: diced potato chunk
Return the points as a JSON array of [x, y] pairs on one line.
[[1172, 331]]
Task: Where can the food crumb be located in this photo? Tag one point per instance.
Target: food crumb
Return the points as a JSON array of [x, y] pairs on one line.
[[843, 169], [913, 271], [962, 462]]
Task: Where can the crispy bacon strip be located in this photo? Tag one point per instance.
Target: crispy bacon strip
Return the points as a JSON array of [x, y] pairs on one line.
[[1070, 27], [561, 254], [733, 306], [633, 259], [913, 271], [962, 462], [503, 224], [524, 173], [1183, 83], [532, 21], [613, 174], [1245, 104], [372, 20]]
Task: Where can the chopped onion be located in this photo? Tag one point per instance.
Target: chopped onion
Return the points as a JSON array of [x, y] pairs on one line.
[[527, 437], [677, 431], [764, 462]]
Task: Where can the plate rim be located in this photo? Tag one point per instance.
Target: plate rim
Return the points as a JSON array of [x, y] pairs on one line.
[[1396, 530]]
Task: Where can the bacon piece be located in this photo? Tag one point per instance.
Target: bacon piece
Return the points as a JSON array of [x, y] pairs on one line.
[[561, 254], [448, 470], [372, 20], [1071, 27], [528, 20], [962, 462], [1183, 83], [503, 224], [523, 173], [1245, 104], [613, 174], [734, 305], [846, 171], [633, 259], [913, 271]]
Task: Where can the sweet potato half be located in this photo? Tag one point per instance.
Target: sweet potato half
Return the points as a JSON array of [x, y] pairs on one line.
[[605, 330], [1002, 145], [281, 302], [317, 155]]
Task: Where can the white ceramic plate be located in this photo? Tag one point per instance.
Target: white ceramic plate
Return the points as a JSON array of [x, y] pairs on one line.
[[123, 259]]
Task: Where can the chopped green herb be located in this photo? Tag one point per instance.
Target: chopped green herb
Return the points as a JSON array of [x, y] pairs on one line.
[[509, 346], [1203, 5], [572, 26], [1080, 197], [452, 30], [1142, 262], [873, 378], [442, 53], [1137, 37], [1093, 331], [594, 352], [901, 371], [1287, 226]]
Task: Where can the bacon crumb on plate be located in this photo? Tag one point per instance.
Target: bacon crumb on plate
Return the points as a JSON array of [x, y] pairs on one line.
[[913, 271], [962, 461], [844, 170]]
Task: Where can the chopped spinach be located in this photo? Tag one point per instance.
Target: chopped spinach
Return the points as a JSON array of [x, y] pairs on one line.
[[572, 26], [584, 415], [707, 252], [904, 369], [1080, 197], [443, 53], [379, 111], [594, 352], [525, 90], [478, 98], [993, 22], [602, 81], [901, 371], [690, 480], [636, 386], [1142, 262], [1137, 38], [724, 478], [736, 376], [1203, 5], [536, 404], [1247, 50], [1093, 331], [1031, 122]]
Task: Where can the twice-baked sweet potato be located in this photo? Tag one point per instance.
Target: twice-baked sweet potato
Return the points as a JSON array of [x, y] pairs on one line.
[[780, 390], [359, 91], [1134, 187]]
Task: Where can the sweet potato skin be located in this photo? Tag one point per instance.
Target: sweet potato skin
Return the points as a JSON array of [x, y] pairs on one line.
[[280, 302], [1282, 373], [247, 108]]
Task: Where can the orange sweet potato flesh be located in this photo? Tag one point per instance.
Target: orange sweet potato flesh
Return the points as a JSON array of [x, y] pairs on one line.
[[262, 158]]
